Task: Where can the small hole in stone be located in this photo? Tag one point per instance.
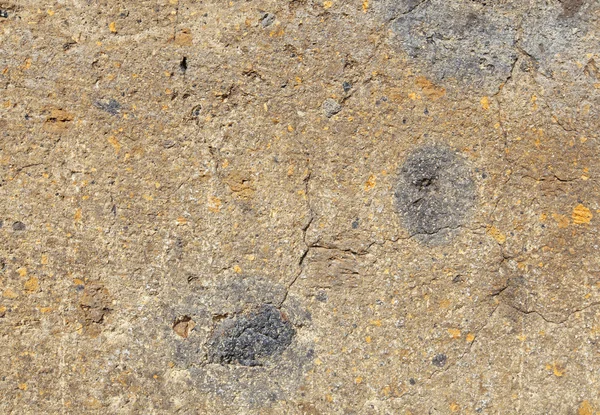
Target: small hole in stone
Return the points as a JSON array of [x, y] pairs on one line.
[[183, 325], [439, 360]]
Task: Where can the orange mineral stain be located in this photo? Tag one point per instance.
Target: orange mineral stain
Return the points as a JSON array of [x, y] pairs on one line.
[[581, 215]]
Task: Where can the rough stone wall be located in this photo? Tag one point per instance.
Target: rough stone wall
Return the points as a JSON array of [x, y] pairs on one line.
[[299, 207]]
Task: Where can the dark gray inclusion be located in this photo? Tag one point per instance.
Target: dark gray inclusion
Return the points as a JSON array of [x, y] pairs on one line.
[[435, 190], [250, 340]]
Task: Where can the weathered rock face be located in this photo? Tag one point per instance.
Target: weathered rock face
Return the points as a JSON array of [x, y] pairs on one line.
[[299, 207]]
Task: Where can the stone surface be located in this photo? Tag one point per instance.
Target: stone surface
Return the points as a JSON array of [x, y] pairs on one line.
[[299, 207]]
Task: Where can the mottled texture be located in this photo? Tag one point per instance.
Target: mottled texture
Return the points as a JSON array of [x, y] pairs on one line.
[[435, 190], [168, 169]]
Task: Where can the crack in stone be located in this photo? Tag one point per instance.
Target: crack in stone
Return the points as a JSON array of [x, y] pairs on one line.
[[305, 228], [409, 11], [547, 319]]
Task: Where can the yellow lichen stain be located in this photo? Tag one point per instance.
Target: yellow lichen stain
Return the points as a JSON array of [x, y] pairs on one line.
[[454, 333], [50, 12], [561, 220], [22, 386], [445, 303], [430, 90], [237, 269], [368, 339], [470, 337], [148, 198], [327, 4], [365, 5], [277, 32], [370, 183], [214, 204], [27, 64], [77, 216], [46, 310], [376, 323], [496, 234], [585, 175], [485, 103], [557, 369], [413, 96], [181, 220], [581, 215], [534, 102], [31, 285], [22, 272], [115, 143], [112, 27], [585, 409], [358, 380], [522, 337], [454, 407], [543, 217]]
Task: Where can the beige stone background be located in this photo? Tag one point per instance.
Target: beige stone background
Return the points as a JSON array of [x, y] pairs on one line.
[[171, 158]]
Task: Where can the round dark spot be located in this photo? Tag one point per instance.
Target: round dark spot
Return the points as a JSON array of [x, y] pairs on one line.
[[18, 226], [249, 340], [355, 223], [412, 381], [111, 106], [321, 296], [435, 190], [439, 360]]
